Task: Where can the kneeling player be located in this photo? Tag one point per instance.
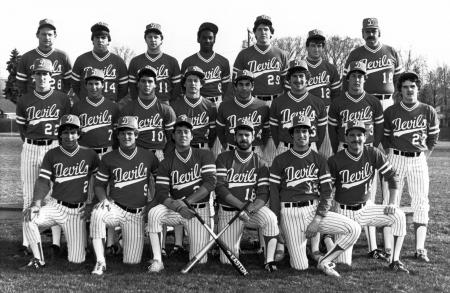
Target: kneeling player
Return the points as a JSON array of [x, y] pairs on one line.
[[129, 171], [185, 173], [69, 168], [300, 195], [242, 176], [353, 170]]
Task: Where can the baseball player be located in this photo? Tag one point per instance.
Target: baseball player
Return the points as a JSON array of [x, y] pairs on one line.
[[98, 117], [155, 118], [129, 171], [297, 102], [215, 66], [352, 171], [411, 131], [167, 69], [62, 68], [383, 63], [324, 81], [300, 196], [68, 167], [200, 110], [114, 68], [357, 104], [243, 107], [185, 173], [243, 176], [38, 114]]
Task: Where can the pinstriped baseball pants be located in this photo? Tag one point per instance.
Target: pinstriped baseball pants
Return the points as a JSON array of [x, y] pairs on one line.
[[132, 226], [198, 235], [71, 223], [264, 218], [294, 222], [372, 215], [415, 170]]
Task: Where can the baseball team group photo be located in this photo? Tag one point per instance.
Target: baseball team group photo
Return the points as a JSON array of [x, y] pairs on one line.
[[279, 169]]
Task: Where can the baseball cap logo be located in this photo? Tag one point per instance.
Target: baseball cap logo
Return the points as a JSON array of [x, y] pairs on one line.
[[69, 118], [371, 21], [301, 119], [357, 64], [125, 120]]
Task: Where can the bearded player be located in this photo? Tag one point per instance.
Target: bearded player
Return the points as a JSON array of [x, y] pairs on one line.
[[129, 172], [68, 169], [243, 107], [185, 173], [324, 81], [38, 114], [167, 69], [411, 131], [300, 196], [62, 68], [243, 176], [114, 68], [357, 104], [352, 171]]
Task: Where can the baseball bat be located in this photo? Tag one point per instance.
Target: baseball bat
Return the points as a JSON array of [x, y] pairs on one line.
[[210, 244], [238, 266]]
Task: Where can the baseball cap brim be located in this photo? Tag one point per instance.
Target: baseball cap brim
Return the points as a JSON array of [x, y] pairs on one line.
[[244, 127], [355, 127], [147, 72], [152, 30], [355, 70], [183, 123], [243, 77], [49, 25]]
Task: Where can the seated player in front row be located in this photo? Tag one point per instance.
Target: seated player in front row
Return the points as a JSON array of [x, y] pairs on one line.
[[69, 168], [243, 176], [185, 173], [129, 171], [353, 170], [300, 195]]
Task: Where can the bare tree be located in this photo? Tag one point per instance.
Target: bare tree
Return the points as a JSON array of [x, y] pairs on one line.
[[126, 53], [338, 48], [295, 46], [416, 63]]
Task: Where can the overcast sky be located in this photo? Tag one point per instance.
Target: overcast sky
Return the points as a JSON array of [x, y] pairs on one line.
[[417, 25]]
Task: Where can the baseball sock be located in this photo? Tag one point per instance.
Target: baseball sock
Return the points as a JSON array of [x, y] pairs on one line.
[[398, 243], [178, 233], [56, 235], [36, 248], [371, 237], [388, 238], [328, 239], [331, 255], [315, 241], [271, 245], [155, 242], [25, 241], [98, 245], [164, 236], [421, 234], [110, 236]]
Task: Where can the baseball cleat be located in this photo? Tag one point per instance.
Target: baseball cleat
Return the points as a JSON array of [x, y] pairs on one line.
[[34, 264], [421, 254], [99, 269], [279, 255], [398, 266], [328, 269], [156, 266], [270, 267], [177, 251], [163, 252], [378, 254]]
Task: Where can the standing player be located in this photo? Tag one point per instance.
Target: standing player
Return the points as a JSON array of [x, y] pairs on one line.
[[324, 81], [68, 167], [62, 68], [243, 107], [186, 173], [266, 62], [351, 105], [243, 176], [297, 102], [300, 196], [352, 171], [129, 172], [355, 104], [215, 66], [411, 131], [168, 74], [383, 63], [155, 118], [200, 110], [38, 114], [114, 68]]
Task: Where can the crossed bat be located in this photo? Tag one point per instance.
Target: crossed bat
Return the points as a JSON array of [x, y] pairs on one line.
[[238, 266]]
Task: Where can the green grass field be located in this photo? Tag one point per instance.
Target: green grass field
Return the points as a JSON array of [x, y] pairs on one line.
[[364, 276]]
